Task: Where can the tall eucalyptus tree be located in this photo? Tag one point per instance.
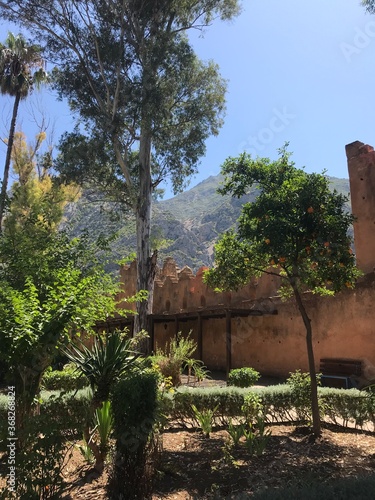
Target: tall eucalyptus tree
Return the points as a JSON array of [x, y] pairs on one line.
[[146, 103]]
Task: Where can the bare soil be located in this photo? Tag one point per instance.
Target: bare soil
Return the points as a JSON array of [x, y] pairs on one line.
[[195, 467]]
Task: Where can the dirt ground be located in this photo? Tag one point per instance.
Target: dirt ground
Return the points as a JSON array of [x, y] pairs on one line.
[[194, 467]]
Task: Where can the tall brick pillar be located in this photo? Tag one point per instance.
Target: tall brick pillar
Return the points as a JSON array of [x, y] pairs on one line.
[[361, 166]]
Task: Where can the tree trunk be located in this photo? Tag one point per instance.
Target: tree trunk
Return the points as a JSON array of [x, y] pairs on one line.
[[27, 385], [4, 186], [146, 264], [310, 354]]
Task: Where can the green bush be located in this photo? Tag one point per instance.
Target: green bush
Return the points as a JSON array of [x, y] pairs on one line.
[[67, 379], [41, 461], [135, 409], [69, 410], [171, 360], [228, 402], [342, 407], [243, 377]]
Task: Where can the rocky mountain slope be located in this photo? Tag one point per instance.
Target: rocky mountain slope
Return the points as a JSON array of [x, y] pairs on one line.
[[184, 227]]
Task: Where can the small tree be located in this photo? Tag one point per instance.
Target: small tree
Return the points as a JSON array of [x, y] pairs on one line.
[[296, 229], [50, 286]]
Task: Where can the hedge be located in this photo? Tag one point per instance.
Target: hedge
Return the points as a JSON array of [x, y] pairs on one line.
[[341, 407], [63, 380]]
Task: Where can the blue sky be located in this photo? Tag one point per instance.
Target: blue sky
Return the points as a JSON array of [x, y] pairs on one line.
[[297, 71]]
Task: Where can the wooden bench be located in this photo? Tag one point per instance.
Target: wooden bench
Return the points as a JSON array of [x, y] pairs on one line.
[[339, 372]]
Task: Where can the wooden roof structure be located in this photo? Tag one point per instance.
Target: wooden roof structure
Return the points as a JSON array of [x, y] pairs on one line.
[[199, 315]]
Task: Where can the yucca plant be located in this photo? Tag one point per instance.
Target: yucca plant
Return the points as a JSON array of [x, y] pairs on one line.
[[104, 363]]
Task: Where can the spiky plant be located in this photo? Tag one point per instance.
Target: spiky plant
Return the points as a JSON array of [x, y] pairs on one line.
[[104, 362]]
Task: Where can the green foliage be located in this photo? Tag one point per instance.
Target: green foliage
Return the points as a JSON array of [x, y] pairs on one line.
[[252, 408], [105, 362], [243, 377], [67, 379], [51, 289], [177, 355], [135, 410], [205, 419], [86, 451], [236, 432], [278, 404], [296, 224], [227, 402], [296, 229], [256, 437], [301, 394], [41, 461], [348, 407], [103, 426], [70, 410]]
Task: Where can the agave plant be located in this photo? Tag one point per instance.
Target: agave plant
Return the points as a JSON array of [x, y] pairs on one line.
[[104, 363]]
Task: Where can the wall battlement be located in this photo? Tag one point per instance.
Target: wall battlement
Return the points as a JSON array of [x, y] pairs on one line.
[[178, 290], [275, 345]]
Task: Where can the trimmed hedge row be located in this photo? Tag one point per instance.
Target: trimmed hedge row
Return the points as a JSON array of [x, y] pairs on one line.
[[340, 406], [69, 411], [64, 380]]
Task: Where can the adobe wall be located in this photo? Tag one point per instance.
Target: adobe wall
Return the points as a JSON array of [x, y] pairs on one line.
[[179, 290], [361, 167], [343, 327]]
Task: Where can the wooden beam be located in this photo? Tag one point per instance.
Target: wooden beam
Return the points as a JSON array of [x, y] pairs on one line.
[[177, 326], [151, 333], [228, 340], [200, 338]]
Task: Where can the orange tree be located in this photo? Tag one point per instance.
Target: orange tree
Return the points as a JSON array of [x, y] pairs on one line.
[[297, 229]]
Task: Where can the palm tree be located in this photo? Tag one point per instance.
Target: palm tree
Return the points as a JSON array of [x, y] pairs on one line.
[[21, 68]]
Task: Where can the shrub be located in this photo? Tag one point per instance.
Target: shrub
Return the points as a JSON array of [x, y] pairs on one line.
[[110, 357], [70, 410], [134, 405], [243, 377], [171, 361], [68, 379], [342, 406], [228, 402], [252, 408], [301, 395], [42, 458]]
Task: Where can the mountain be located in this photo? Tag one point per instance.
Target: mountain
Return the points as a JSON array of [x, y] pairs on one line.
[[185, 227]]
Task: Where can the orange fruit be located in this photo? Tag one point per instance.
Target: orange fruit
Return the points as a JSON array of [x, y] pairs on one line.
[[310, 210], [267, 241]]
